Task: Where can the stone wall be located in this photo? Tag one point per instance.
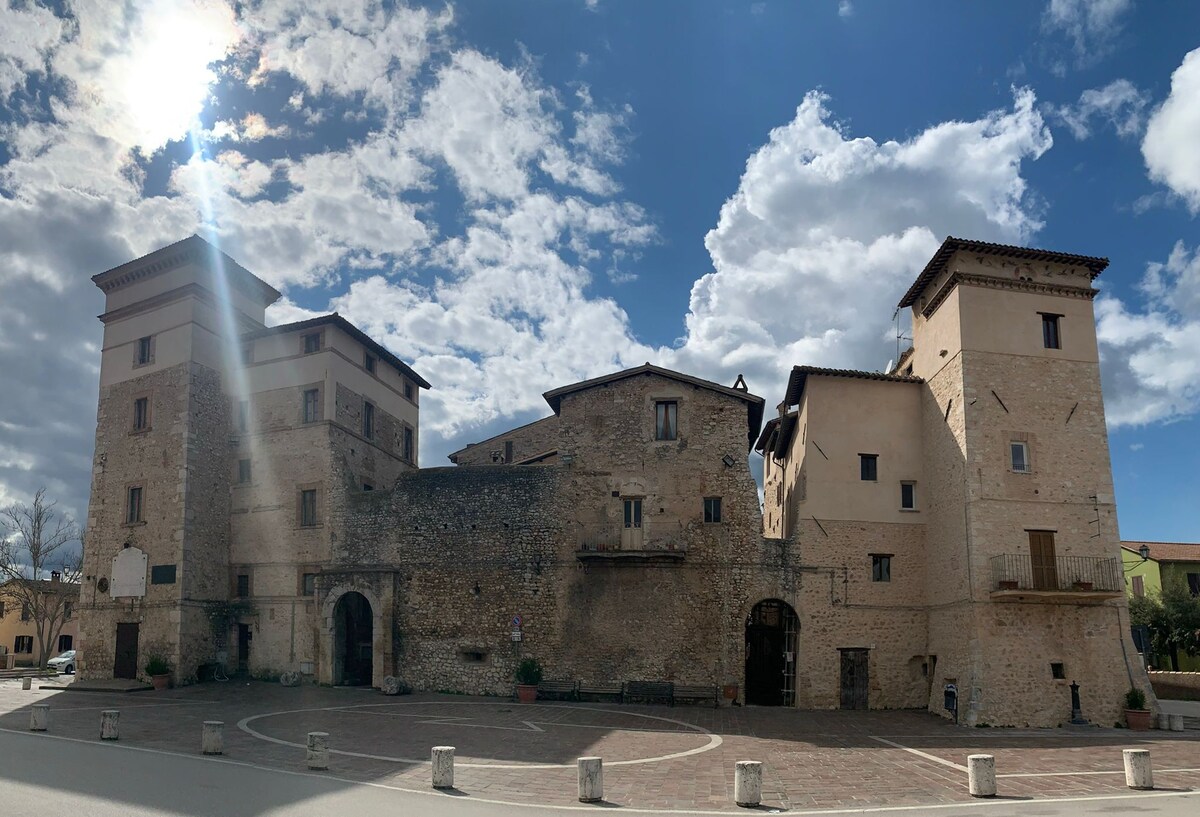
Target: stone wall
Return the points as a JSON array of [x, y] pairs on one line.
[[521, 443], [1179, 686]]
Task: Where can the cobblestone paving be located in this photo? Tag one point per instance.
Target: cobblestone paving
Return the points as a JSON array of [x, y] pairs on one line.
[[655, 756]]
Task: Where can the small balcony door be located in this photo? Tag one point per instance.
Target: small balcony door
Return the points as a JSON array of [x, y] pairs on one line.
[[631, 531], [1041, 553]]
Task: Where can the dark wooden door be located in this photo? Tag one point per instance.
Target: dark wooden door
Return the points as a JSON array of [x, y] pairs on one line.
[[125, 665], [1041, 555], [854, 679], [244, 636], [765, 665]]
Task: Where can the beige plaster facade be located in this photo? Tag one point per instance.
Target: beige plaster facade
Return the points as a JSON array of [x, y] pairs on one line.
[[18, 628]]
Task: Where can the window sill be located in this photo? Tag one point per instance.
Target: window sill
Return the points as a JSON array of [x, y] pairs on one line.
[[133, 432], [310, 527], [133, 524], [1021, 473], [909, 510]]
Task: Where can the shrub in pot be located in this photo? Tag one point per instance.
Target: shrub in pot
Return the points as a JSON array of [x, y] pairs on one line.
[[159, 671], [529, 675], [1137, 717]]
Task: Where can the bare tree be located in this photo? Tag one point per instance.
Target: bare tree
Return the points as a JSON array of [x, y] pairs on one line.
[[36, 543]]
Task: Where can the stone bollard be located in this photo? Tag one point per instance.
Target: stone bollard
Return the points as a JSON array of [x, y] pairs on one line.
[[443, 767], [39, 718], [391, 685], [317, 753], [591, 780], [981, 775], [26, 683], [1138, 774], [1176, 723], [108, 724], [289, 679], [1164, 721], [747, 783], [212, 738]]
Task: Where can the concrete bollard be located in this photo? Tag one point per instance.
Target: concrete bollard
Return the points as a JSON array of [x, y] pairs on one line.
[[1176, 723], [1138, 774], [108, 724], [317, 754], [1164, 721], [39, 718], [212, 738], [747, 783], [981, 775], [591, 780], [27, 683], [443, 767]]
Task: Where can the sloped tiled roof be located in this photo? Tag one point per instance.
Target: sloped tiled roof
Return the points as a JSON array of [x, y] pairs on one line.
[[1168, 551], [800, 375]]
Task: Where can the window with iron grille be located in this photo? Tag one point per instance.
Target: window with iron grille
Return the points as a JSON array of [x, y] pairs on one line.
[[1019, 456], [666, 420], [243, 585]]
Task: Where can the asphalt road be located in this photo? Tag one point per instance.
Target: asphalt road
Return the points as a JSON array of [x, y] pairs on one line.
[[41, 774]]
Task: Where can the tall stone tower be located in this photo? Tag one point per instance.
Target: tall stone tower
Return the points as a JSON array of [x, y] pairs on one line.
[[1023, 579], [157, 541]]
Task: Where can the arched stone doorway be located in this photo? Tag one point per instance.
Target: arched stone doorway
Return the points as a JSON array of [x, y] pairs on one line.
[[771, 630], [353, 639]]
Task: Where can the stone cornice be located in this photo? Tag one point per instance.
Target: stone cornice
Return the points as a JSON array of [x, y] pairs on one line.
[[1010, 284], [190, 250]]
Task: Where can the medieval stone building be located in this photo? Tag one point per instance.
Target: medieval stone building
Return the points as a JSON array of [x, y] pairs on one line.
[[256, 503]]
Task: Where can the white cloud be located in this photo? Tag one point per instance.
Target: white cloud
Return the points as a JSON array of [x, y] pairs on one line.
[[1170, 144], [252, 128], [845, 9], [28, 35], [1092, 26], [1136, 446], [1119, 104]]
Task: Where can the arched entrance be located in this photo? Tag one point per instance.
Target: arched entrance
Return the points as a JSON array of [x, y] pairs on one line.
[[771, 631], [353, 638]]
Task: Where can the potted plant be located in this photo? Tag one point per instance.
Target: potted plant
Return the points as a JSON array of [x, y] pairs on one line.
[[1136, 714], [529, 675], [159, 671]]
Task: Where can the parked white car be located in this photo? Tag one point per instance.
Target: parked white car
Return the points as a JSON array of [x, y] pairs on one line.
[[64, 663]]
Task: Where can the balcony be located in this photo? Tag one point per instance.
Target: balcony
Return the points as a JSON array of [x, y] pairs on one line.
[[1077, 579], [606, 543]]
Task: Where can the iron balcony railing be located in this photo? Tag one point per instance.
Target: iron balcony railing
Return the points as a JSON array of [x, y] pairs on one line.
[[1081, 574], [602, 537]]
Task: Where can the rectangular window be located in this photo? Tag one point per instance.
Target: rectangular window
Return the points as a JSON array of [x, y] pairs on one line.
[[243, 472], [2, 610], [1050, 336], [1019, 456], [368, 418], [666, 420], [407, 450], [1057, 671], [409, 392], [243, 415], [308, 584], [26, 613], [141, 414], [162, 574], [68, 610], [1139, 586], [908, 496], [633, 513], [368, 486], [247, 355], [712, 509], [369, 362], [143, 351], [868, 467], [23, 643], [881, 567], [133, 509], [312, 405], [1193, 580], [311, 342], [243, 585], [308, 508]]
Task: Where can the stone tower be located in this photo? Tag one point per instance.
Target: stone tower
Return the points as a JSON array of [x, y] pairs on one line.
[[157, 541]]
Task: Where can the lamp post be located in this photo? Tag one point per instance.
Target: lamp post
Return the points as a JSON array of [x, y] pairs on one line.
[[1076, 710]]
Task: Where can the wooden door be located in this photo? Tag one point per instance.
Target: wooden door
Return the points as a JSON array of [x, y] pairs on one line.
[[765, 665], [125, 664], [854, 679], [1041, 553], [631, 532]]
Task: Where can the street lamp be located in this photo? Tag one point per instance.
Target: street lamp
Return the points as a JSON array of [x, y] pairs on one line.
[[1144, 552]]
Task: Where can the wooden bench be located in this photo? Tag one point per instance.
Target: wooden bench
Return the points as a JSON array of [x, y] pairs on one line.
[[556, 690], [699, 693], [593, 691], [649, 691]]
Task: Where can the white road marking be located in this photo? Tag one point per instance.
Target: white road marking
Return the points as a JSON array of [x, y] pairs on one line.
[[1083, 774], [919, 753]]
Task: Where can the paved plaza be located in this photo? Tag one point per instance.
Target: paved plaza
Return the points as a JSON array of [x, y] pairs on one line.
[[655, 757]]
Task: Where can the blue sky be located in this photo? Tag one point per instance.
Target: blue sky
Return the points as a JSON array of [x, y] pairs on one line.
[[517, 195]]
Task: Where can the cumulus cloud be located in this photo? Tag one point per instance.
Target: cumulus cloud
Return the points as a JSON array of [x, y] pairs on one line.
[[1091, 26], [845, 8], [28, 35], [1169, 146], [1119, 104]]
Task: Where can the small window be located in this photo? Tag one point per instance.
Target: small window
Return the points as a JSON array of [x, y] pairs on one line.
[[666, 420], [68, 610], [1057, 671], [133, 510], [868, 467], [141, 414], [308, 508], [23, 643], [312, 342], [26, 612], [368, 486], [1193, 580], [243, 472], [308, 584], [312, 405], [1050, 336], [369, 362], [633, 513], [162, 574], [407, 450], [1019, 456], [712, 509], [1139, 586], [65, 643], [144, 351], [409, 392], [368, 420], [243, 585], [908, 496], [243, 415], [881, 567], [3, 612]]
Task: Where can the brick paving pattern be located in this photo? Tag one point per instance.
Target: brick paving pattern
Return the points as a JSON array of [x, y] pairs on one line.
[[812, 759]]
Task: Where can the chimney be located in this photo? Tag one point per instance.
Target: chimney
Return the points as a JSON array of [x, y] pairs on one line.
[[55, 576]]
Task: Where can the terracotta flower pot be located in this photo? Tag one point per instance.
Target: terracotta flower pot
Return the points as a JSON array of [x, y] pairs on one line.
[[526, 693], [160, 681], [1138, 719]]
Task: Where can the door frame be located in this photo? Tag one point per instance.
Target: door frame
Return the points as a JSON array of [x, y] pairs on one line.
[[860, 694], [127, 627]]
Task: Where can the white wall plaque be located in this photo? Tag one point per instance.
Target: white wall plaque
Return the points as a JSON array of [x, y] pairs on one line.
[[128, 574]]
